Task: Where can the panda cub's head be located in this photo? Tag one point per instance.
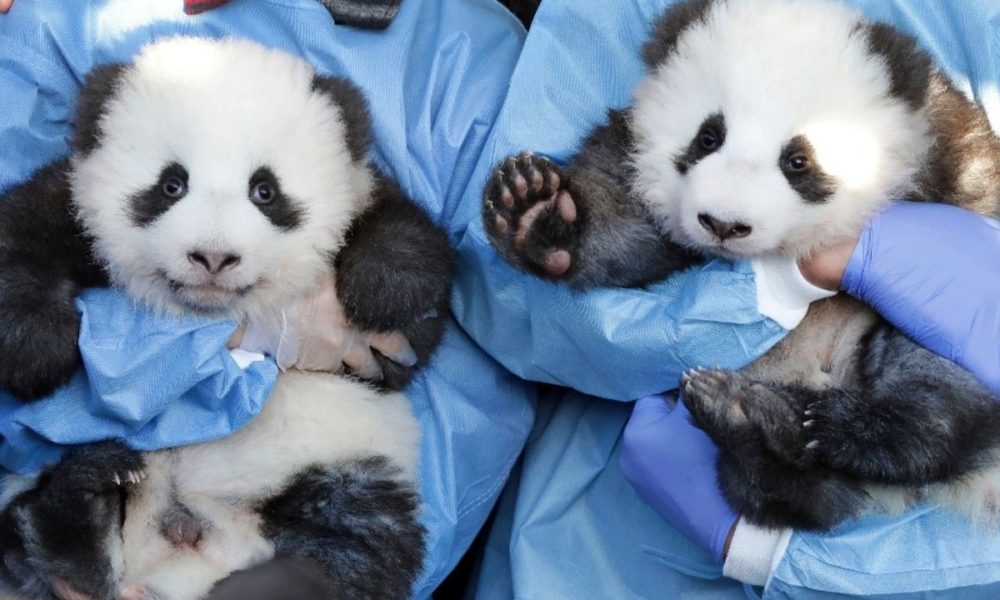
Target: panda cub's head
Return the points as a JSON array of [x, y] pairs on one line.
[[218, 177], [776, 126]]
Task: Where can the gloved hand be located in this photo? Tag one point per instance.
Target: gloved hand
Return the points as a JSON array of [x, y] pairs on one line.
[[314, 335], [671, 464], [932, 271]]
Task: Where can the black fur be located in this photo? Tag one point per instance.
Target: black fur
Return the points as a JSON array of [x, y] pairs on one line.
[[367, 14], [812, 183], [358, 521], [710, 138], [668, 29], [45, 261], [353, 109], [612, 242], [285, 578], [524, 10], [394, 273], [148, 205], [910, 68], [283, 212], [99, 86], [56, 530]]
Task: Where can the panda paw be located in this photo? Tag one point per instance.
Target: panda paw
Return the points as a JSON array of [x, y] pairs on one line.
[[728, 405], [530, 215], [100, 468]]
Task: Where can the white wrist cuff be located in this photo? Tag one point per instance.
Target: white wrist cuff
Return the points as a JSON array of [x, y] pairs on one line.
[[783, 294], [755, 552]]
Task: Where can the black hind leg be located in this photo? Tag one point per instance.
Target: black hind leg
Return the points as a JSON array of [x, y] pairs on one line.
[[57, 535], [762, 471], [918, 418], [358, 521]]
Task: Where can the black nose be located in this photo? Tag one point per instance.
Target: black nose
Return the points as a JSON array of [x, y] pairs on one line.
[[214, 262], [724, 230]]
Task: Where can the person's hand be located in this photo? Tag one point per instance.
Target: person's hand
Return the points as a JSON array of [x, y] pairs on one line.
[[314, 335], [825, 268], [671, 464], [5, 5], [932, 271]]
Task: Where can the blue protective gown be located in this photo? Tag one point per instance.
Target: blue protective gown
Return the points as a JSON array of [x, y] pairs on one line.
[[569, 525], [435, 80]]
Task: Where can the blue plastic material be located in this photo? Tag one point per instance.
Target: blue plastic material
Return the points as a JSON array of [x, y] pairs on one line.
[[569, 525], [435, 79]]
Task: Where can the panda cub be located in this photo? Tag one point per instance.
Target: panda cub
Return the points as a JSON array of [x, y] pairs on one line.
[[773, 128], [221, 178]]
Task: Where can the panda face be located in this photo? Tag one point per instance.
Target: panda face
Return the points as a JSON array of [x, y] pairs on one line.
[[772, 128], [221, 182]]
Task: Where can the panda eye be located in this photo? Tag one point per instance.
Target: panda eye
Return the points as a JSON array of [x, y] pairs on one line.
[[798, 163], [262, 193], [174, 187], [709, 139]]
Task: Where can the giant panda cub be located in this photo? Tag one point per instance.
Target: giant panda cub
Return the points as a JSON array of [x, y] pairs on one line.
[[221, 178], [773, 128]]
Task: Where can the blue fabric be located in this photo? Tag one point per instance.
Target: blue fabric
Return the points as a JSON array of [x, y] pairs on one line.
[[435, 79], [152, 381], [569, 525]]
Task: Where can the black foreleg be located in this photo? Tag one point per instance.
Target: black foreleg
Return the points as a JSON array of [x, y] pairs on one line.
[[45, 260], [394, 274]]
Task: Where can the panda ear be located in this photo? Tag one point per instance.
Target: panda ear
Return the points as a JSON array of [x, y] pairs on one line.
[[669, 27], [910, 67], [353, 111], [98, 88]]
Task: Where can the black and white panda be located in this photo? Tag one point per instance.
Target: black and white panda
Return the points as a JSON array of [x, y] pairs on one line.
[[223, 178], [767, 129]]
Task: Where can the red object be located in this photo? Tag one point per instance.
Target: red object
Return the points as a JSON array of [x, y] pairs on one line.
[[193, 7]]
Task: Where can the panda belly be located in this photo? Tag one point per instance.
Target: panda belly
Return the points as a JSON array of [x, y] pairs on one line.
[[823, 351], [194, 520]]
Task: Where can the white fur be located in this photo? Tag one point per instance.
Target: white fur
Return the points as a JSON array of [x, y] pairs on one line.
[[775, 69], [309, 419], [222, 109]]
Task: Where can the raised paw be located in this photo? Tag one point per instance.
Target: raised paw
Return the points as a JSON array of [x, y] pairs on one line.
[[727, 404], [530, 215]]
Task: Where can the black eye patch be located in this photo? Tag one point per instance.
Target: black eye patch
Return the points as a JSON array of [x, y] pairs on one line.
[[147, 206], [709, 139], [265, 192], [798, 164]]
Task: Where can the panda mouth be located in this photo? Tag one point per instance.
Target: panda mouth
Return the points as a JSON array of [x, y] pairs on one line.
[[207, 296]]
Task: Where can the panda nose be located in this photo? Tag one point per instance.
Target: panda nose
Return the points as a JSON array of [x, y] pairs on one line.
[[724, 230], [214, 262]]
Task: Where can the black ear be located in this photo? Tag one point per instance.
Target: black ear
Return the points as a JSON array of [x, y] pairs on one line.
[[353, 109], [670, 26], [98, 87], [910, 68]]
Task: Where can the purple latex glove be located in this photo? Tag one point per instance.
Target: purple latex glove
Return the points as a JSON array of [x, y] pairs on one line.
[[933, 271], [671, 464]]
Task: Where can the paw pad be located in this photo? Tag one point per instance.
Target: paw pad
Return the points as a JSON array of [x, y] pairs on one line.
[[530, 215]]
